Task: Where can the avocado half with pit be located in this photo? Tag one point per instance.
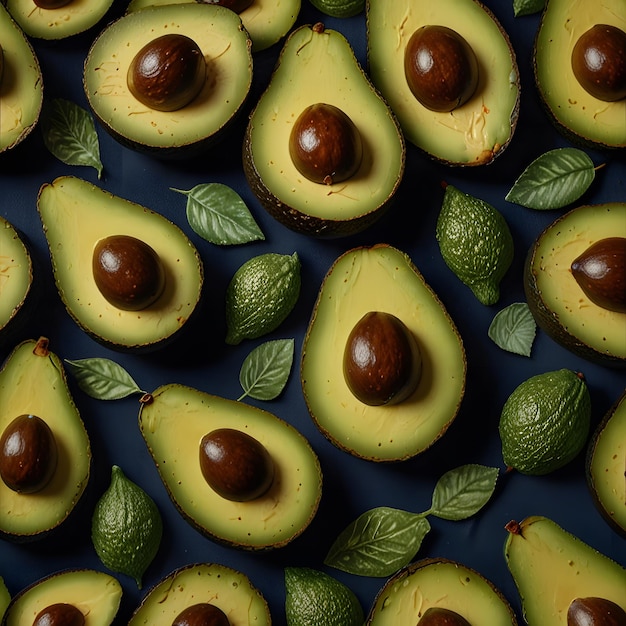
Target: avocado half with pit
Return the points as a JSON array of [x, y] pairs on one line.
[[21, 83], [77, 218], [227, 590], [439, 584], [95, 594], [557, 301], [381, 279], [482, 124], [318, 66], [225, 49], [580, 115], [271, 517]]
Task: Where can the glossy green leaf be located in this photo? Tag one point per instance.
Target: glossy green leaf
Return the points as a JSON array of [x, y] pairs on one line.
[[218, 214], [514, 328], [103, 379], [527, 7], [69, 133], [265, 371]]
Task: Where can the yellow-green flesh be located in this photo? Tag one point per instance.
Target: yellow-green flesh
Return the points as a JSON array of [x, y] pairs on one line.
[[472, 133], [173, 425], [33, 384], [229, 590], [381, 279], [75, 215], [225, 46], [321, 67], [563, 22]]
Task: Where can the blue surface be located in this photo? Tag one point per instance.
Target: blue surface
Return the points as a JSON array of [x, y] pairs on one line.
[[202, 359]]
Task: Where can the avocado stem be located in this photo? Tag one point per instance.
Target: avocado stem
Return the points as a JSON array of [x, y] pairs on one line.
[[513, 527]]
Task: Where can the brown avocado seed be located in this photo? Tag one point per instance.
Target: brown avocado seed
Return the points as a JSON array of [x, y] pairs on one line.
[[167, 73], [235, 465], [595, 612], [381, 362], [28, 454], [599, 62], [441, 68], [234, 5], [438, 616], [60, 614], [201, 614], [51, 4], [325, 145], [128, 272], [600, 271]]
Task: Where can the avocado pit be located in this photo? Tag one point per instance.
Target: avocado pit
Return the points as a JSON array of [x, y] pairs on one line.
[[234, 5], [595, 611], [60, 614], [439, 616], [201, 614], [51, 4]]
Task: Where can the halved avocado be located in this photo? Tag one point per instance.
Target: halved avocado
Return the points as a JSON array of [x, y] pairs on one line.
[[440, 583], [227, 589], [33, 382], [95, 594], [381, 278], [474, 133], [606, 465], [5, 598], [575, 112], [557, 302], [317, 65], [21, 84], [76, 215], [269, 521], [226, 48]]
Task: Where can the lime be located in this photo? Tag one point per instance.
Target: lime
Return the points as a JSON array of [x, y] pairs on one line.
[[126, 527], [545, 422], [475, 243], [261, 295], [316, 599]]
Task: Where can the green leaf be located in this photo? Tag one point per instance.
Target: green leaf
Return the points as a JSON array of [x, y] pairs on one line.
[[218, 214], [513, 329], [553, 180], [265, 371], [462, 492], [69, 133], [103, 379], [378, 543], [527, 7]]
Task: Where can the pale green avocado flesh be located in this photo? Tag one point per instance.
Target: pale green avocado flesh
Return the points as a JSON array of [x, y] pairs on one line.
[[75, 215], [551, 567], [227, 589], [474, 133], [572, 107], [226, 48], [21, 84], [381, 278], [443, 584], [96, 594], [33, 382], [270, 521]]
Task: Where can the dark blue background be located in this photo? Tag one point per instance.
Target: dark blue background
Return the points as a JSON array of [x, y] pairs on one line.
[[202, 359]]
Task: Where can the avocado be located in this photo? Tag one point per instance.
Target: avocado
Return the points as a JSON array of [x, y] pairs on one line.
[[542, 555], [5, 598], [226, 49], [558, 303], [439, 583], [203, 583], [481, 125], [381, 279], [606, 459], [266, 21], [57, 19], [21, 84], [76, 217], [286, 505], [95, 594], [33, 384], [579, 115], [317, 66]]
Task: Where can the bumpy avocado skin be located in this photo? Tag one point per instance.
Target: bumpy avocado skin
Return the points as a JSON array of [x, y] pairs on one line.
[[578, 115]]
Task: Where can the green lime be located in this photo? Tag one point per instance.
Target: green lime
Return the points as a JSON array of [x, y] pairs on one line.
[[316, 599], [126, 527], [261, 295], [545, 422], [339, 8], [475, 242]]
